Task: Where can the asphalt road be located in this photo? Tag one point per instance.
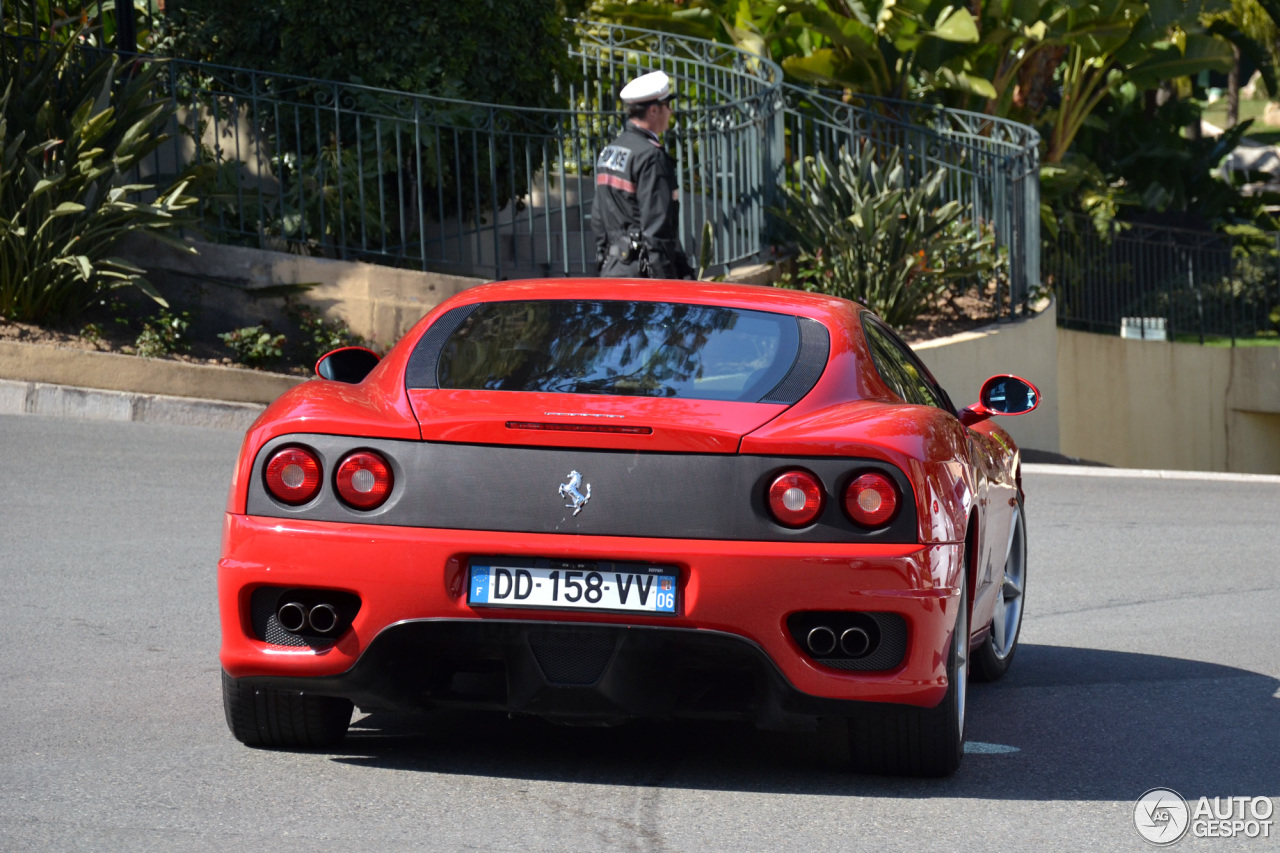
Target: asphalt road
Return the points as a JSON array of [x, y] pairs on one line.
[[1151, 657]]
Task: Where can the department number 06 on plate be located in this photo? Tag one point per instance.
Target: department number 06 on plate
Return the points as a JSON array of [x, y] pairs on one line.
[[584, 588]]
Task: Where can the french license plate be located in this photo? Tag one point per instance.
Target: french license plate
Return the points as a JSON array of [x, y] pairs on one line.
[[589, 585]]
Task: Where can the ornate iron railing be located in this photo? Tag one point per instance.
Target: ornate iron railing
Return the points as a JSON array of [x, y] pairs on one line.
[[992, 165], [505, 191]]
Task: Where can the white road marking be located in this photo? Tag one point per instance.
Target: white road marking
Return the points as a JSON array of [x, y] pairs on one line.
[[975, 747], [1140, 473]]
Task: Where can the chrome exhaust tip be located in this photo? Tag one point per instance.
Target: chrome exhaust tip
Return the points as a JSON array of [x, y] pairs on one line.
[[855, 642], [822, 640], [292, 616], [323, 618]]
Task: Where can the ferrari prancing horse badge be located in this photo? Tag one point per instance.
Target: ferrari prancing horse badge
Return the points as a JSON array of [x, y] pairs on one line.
[[569, 491]]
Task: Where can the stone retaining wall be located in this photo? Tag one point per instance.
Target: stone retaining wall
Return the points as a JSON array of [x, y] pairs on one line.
[[114, 372], [1155, 404], [1026, 347], [228, 287]]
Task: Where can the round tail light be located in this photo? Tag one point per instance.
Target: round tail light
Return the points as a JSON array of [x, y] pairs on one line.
[[293, 475], [364, 480], [871, 500], [795, 498]]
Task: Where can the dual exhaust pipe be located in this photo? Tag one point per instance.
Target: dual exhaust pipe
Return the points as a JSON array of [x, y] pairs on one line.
[[296, 618], [853, 642], [849, 639]]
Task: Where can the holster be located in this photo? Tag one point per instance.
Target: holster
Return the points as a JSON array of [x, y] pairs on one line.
[[630, 248]]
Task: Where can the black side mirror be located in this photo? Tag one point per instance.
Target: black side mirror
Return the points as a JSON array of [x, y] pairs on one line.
[[348, 364], [1008, 395]]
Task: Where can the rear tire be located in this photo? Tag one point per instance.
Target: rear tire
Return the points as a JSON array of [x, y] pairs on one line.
[[992, 659], [902, 740], [283, 719]]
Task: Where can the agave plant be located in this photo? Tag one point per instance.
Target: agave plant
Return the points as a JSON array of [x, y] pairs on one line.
[[868, 233], [70, 137]]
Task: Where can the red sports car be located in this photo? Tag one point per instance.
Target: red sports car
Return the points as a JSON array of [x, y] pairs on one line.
[[593, 501]]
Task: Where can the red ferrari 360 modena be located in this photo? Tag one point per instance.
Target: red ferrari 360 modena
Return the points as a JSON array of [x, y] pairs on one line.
[[593, 501]]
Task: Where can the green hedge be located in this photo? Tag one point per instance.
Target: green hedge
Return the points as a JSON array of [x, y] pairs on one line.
[[496, 51]]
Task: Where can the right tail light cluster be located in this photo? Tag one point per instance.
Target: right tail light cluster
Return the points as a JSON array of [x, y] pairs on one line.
[[871, 499], [363, 479], [796, 499]]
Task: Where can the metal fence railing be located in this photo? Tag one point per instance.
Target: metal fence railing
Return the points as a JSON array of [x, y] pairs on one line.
[[727, 110], [993, 165], [504, 191], [1173, 284], [490, 190]]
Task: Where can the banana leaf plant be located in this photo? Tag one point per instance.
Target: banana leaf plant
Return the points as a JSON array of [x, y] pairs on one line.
[[872, 46], [1106, 44], [881, 48]]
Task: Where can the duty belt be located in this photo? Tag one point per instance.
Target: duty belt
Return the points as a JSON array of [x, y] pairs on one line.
[[630, 248]]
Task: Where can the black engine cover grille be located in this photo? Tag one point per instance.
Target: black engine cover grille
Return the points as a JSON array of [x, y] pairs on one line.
[[572, 657]]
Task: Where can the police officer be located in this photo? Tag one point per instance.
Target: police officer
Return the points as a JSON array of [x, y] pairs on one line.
[[637, 208]]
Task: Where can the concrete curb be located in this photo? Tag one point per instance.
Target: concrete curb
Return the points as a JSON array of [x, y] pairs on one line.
[[66, 401], [69, 383], [133, 374]]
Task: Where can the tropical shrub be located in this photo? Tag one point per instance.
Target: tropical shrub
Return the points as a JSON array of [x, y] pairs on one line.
[[254, 346], [164, 334], [1065, 68], [1142, 149], [318, 336], [71, 135], [508, 52], [867, 232]]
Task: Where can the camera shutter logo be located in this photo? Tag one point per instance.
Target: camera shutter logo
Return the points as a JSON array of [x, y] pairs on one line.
[[1161, 816]]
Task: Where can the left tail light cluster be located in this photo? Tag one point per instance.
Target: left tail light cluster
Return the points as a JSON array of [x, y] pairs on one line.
[[293, 475], [796, 499], [363, 479]]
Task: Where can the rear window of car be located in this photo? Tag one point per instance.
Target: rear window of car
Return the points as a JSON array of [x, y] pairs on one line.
[[638, 349]]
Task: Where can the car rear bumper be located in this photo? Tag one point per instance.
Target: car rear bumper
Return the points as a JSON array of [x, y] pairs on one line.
[[415, 641]]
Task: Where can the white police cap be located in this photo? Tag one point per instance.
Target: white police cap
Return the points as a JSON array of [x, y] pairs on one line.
[[654, 87]]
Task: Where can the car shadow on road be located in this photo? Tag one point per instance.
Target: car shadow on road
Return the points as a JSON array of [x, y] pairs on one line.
[[1067, 723]]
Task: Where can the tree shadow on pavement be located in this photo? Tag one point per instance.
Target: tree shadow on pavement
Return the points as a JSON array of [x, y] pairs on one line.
[[1066, 724]]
